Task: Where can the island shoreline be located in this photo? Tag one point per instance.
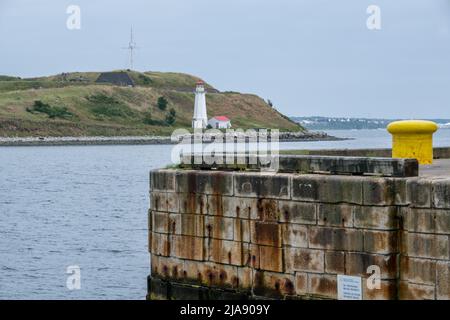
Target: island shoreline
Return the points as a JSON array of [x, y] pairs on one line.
[[138, 140]]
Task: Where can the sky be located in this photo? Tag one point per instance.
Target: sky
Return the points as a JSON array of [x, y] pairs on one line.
[[310, 57]]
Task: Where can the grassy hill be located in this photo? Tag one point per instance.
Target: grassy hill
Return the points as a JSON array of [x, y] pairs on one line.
[[72, 104]]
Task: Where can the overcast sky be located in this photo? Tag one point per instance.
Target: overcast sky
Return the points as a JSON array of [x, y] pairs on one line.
[[310, 57]]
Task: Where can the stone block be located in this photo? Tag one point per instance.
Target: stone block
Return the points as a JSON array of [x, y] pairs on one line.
[[418, 192], [262, 185], [160, 244], [297, 212], [348, 165], [173, 203], [335, 239], [384, 242], [187, 247], [271, 258], [372, 217], [241, 230], [187, 224], [250, 255], [162, 180], [295, 235], [426, 245], [158, 201], [194, 272], [357, 264], [266, 210], [218, 227], [149, 220], [154, 265], [426, 220], [411, 291], [335, 262], [220, 275], [238, 207], [379, 191], [443, 280], [386, 291], [214, 206], [418, 270], [400, 191], [160, 222], [167, 267], [245, 276], [224, 251], [273, 285], [307, 260], [323, 285], [192, 203], [441, 193], [301, 283], [205, 182], [335, 215], [442, 221], [329, 189], [265, 233]]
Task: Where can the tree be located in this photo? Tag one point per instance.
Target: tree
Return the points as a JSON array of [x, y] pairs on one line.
[[170, 117], [162, 103]]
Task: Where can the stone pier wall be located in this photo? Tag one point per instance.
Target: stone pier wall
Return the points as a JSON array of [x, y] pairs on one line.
[[244, 235]]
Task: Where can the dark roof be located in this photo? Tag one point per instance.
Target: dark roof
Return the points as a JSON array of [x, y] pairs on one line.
[[117, 78]]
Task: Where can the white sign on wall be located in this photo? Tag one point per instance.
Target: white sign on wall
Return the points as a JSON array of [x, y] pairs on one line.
[[349, 287]]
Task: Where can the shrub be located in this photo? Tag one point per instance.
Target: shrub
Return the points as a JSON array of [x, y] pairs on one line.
[[162, 103], [106, 106], [170, 117], [52, 112], [144, 79]]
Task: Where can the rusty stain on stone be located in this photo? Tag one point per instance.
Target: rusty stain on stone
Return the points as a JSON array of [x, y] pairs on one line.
[[175, 271], [166, 270], [235, 281], [267, 234], [267, 209], [288, 287]]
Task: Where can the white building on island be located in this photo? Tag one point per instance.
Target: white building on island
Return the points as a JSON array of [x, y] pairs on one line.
[[220, 122], [200, 119]]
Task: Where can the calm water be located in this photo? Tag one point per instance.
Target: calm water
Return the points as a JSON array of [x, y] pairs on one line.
[[87, 207]]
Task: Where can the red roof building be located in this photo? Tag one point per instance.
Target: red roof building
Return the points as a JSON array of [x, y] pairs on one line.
[[220, 122]]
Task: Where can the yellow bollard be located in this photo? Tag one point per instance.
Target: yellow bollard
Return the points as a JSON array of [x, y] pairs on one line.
[[413, 139]]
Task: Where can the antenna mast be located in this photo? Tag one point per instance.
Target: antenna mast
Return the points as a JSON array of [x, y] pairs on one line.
[[131, 47]]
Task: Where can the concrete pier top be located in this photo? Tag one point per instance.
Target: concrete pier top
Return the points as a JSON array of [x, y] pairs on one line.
[[439, 169]]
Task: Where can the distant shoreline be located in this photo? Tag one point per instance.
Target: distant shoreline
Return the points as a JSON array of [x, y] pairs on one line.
[[136, 140]]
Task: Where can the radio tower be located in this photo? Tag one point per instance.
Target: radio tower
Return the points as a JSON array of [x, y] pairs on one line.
[[131, 46]]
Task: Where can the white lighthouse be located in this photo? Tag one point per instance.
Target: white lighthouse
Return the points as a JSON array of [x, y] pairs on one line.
[[200, 119]]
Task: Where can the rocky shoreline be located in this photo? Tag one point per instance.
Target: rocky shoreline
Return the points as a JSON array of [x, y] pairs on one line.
[[140, 140]]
